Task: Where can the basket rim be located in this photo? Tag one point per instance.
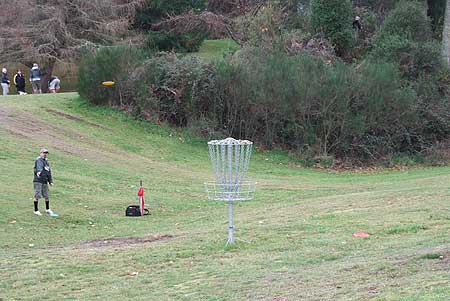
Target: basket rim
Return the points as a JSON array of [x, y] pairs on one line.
[[246, 191]]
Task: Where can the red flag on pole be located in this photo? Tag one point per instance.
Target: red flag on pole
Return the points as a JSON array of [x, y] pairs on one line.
[[141, 198]]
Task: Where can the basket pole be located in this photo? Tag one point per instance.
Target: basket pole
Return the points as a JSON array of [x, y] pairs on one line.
[[230, 223]]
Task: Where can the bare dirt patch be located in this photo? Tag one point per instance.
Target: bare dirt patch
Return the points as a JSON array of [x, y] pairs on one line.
[[124, 241], [443, 262], [27, 126], [75, 118]]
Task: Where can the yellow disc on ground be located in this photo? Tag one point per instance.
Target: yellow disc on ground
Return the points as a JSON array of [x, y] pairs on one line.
[[108, 83]]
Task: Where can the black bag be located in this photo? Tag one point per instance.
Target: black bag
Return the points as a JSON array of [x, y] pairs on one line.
[[135, 210]]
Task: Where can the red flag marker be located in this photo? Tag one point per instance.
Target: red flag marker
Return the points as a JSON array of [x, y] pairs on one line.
[[141, 198]]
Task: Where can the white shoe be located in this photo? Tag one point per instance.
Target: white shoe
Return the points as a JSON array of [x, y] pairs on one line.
[[49, 211], [38, 213]]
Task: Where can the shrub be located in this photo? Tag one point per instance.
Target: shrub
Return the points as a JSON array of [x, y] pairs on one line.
[[167, 41], [362, 112], [306, 105], [405, 37], [333, 18], [262, 30], [106, 64], [409, 19], [163, 87]]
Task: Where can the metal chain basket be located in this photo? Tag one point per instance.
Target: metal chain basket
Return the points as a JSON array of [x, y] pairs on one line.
[[230, 160]]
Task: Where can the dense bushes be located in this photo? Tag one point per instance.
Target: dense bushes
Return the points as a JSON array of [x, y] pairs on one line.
[[162, 38], [333, 18], [163, 88], [406, 38], [298, 102], [106, 64], [156, 10], [303, 104], [168, 41], [286, 88]]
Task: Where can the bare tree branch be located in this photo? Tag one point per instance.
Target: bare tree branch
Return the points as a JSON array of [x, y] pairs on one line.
[[45, 31]]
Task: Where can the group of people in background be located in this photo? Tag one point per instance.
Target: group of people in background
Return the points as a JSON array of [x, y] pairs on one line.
[[35, 80]]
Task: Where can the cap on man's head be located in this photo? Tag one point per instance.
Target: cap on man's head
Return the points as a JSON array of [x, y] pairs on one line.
[[35, 65], [44, 150]]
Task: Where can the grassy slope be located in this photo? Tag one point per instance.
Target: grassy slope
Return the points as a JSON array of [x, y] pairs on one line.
[[298, 231], [214, 49]]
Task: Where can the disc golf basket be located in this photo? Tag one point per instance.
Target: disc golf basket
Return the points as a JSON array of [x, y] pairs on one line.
[[230, 159]]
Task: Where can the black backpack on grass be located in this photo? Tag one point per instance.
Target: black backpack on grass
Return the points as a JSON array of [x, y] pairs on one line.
[[135, 210]]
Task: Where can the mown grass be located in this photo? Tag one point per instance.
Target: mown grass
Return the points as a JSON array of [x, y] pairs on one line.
[[295, 239], [215, 49]]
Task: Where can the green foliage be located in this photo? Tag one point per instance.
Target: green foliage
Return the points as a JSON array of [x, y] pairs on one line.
[[406, 38], [298, 102], [436, 11], [434, 105], [392, 104], [296, 14], [401, 229], [333, 18], [408, 19], [106, 64], [432, 256], [167, 41], [264, 29], [414, 58], [309, 106], [216, 49], [162, 88]]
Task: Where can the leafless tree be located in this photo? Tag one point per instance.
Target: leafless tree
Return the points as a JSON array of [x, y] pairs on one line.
[[47, 31], [215, 25], [217, 20], [234, 7]]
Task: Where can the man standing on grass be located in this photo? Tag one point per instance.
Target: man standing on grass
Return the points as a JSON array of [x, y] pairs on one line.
[[42, 178], [35, 79]]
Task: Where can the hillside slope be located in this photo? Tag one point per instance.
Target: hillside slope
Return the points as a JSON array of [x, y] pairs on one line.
[[296, 236]]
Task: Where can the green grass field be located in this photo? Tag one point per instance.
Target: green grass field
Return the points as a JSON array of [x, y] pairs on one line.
[[295, 242], [215, 49]]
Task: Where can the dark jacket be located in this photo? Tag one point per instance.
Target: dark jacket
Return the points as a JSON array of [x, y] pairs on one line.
[[357, 25], [41, 165], [19, 80], [5, 79]]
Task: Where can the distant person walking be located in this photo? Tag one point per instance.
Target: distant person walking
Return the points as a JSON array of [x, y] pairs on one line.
[[5, 82], [54, 84], [35, 79], [19, 81], [42, 178]]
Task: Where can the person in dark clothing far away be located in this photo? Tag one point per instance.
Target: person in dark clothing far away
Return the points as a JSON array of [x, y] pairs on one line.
[[42, 178], [54, 84], [357, 23], [35, 78], [5, 82], [19, 81]]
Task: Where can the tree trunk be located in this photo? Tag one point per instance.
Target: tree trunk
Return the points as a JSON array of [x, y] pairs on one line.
[[47, 72], [446, 35]]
